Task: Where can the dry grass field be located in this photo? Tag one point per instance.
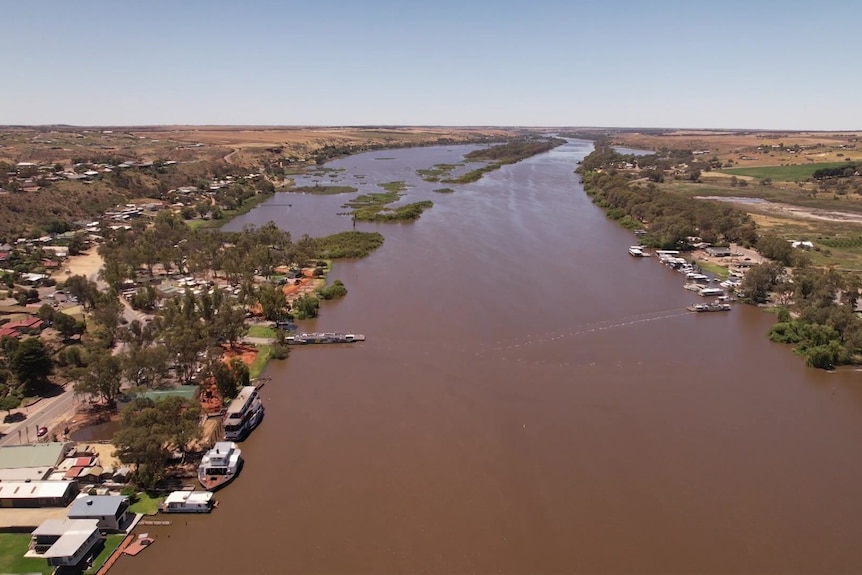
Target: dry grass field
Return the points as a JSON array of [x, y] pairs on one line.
[[754, 148], [249, 136], [244, 144]]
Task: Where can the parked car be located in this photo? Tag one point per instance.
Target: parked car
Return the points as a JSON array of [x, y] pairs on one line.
[[41, 431]]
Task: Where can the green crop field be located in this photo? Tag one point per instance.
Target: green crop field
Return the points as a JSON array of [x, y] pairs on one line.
[[784, 173]]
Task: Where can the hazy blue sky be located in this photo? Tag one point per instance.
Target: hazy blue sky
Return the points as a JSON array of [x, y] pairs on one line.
[[665, 63]]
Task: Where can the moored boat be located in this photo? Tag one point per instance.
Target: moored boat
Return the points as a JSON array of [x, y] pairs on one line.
[[220, 465], [708, 307], [327, 337], [188, 502], [637, 251], [243, 414]]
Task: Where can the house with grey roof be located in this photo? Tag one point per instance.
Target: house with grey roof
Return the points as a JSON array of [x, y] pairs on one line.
[[110, 511], [64, 542]]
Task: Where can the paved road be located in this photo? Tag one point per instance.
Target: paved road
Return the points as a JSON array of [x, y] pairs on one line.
[[47, 412]]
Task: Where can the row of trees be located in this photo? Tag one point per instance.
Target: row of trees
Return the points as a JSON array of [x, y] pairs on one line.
[[668, 218], [844, 171]]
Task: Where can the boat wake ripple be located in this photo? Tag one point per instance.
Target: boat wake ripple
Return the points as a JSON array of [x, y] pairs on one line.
[[584, 329]]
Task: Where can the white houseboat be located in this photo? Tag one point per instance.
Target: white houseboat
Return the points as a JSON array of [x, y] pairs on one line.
[[188, 502], [243, 414], [220, 465]]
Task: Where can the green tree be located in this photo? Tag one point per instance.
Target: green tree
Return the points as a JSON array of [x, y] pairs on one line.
[[102, 377], [760, 280], [775, 248], [147, 366], [46, 313], [272, 301], [9, 402], [241, 370], [31, 363], [306, 306], [334, 291], [76, 245], [83, 290], [108, 310], [225, 380], [67, 325], [150, 430], [144, 298]]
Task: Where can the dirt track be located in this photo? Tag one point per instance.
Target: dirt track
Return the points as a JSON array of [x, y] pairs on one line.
[[787, 210]]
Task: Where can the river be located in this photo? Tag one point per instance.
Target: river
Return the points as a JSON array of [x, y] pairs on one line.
[[530, 399]]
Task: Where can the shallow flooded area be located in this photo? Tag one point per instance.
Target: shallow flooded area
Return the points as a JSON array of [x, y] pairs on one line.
[[530, 399]]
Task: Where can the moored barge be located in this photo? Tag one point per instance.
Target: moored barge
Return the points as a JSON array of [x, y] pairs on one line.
[[328, 337]]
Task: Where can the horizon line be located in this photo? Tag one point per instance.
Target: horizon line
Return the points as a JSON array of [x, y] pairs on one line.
[[451, 126]]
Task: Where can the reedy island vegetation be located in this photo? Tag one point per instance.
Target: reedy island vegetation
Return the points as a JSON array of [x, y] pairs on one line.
[[815, 306], [373, 207], [502, 154]]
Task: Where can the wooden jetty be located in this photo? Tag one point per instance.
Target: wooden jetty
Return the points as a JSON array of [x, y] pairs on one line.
[[154, 522]]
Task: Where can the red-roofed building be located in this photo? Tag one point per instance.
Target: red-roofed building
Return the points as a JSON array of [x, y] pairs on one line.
[[74, 472], [16, 328]]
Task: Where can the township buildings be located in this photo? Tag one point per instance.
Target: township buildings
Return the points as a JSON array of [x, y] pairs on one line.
[[48, 489]]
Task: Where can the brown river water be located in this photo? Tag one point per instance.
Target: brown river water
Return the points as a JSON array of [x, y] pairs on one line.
[[531, 399]]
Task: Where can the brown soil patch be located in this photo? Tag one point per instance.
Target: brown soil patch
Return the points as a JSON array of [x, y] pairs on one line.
[[86, 264], [247, 353], [210, 398], [305, 285]]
